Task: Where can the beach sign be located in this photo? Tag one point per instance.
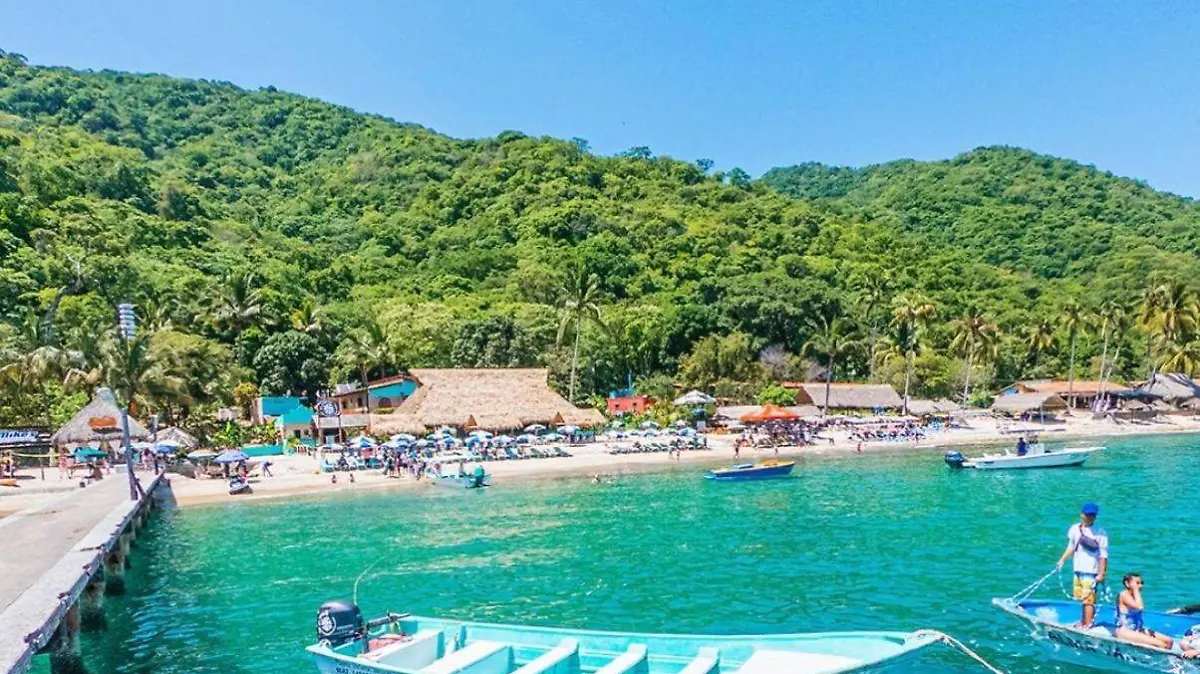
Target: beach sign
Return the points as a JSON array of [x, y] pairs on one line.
[[17, 437]]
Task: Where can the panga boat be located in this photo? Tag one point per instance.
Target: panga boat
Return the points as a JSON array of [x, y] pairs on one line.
[[461, 481], [1037, 456], [752, 471], [1057, 621], [413, 645]]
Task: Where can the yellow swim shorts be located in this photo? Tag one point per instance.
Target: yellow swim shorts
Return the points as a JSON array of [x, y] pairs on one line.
[[1085, 588]]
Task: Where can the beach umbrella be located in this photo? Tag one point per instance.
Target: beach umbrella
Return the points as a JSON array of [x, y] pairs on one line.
[[568, 429], [423, 443], [687, 432], [392, 444], [201, 454], [167, 446], [141, 445], [447, 430], [403, 437], [649, 424], [552, 437], [480, 434], [232, 456], [534, 428], [694, 399], [165, 449], [524, 438], [679, 423], [89, 453], [361, 442]]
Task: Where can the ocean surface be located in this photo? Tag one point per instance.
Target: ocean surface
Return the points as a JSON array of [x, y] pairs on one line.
[[877, 541]]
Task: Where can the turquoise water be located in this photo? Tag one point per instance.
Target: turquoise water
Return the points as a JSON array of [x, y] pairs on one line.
[[854, 542]]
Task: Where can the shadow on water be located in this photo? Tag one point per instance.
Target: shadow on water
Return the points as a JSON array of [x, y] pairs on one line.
[[856, 542]]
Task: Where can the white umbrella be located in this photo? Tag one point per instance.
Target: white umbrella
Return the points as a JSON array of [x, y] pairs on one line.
[[361, 442], [534, 428], [552, 437], [481, 434], [403, 437], [650, 424], [568, 429], [694, 399]]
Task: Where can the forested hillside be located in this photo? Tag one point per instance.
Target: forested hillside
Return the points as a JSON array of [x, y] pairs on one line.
[[276, 242]]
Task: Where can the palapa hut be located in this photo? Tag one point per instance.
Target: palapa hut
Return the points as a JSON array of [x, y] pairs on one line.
[[932, 408], [854, 397], [175, 434], [497, 399], [1172, 387], [1016, 404], [99, 421]]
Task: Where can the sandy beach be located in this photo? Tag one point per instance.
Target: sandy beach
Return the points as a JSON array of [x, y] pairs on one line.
[[298, 474]]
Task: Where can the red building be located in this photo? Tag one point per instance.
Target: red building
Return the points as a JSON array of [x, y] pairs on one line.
[[629, 404]]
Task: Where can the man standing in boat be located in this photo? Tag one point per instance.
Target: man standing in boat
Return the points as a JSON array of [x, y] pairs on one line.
[[1087, 544]]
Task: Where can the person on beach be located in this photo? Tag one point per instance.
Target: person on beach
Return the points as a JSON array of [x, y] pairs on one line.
[[1130, 608], [64, 465], [266, 469], [1087, 545]]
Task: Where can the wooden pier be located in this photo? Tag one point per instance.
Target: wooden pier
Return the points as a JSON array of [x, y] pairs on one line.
[[58, 561]]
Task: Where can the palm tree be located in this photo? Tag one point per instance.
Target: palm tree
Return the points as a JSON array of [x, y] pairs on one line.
[[1176, 315], [308, 317], [973, 332], [371, 350], [1147, 314], [1074, 321], [581, 293], [136, 373], [1183, 358], [910, 314], [240, 304], [1039, 338], [833, 338], [1108, 317], [873, 289]]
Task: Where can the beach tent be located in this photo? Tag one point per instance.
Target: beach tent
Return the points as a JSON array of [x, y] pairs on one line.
[[694, 398], [769, 413]]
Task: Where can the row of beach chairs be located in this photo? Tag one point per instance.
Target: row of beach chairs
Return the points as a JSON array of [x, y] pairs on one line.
[[654, 447]]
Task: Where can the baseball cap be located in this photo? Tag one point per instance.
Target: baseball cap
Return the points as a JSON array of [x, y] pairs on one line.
[[1090, 509]]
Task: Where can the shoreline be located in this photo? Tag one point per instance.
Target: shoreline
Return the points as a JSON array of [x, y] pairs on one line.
[[298, 475], [592, 459]]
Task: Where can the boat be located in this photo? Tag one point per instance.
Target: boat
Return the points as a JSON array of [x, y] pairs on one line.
[[414, 645], [752, 471], [1037, 456], [461, 480], [1057, 622]]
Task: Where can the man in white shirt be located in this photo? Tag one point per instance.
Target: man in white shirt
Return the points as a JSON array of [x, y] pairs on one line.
[[1087, 544]]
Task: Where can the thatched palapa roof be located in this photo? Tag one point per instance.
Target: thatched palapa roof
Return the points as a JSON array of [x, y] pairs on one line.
[[178, 435], [98, 421], [924, 408], [491, 399], [1019, 403], [1170, 386], [854, 396]]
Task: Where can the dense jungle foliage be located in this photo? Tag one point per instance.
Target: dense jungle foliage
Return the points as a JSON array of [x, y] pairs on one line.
[[277, 243]]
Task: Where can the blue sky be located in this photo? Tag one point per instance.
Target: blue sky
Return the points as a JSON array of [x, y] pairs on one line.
[[749, 84]]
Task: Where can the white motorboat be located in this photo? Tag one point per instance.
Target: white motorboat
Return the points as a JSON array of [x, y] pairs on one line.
[[1036, 456]]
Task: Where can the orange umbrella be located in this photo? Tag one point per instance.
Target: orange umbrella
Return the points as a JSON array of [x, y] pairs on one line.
[[769, 413]]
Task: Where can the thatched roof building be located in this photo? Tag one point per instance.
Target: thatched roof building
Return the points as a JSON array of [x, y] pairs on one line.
[[1169, 386], [1020, 403], [854, 396], [492, 399], [179, 435], [928, 408], [98, 421]]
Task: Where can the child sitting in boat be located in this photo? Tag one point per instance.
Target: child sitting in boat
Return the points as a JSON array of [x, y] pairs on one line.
[[1130, 608]]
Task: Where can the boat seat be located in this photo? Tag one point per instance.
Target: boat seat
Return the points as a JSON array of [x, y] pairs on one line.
[[414, 653], [794, 662], [557, 660], [634, 659], [479, 657], [705, 662]]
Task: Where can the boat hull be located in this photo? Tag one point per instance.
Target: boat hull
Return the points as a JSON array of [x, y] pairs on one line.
[[752, 472], [1055, 459], [1054, 623], [827, 653]]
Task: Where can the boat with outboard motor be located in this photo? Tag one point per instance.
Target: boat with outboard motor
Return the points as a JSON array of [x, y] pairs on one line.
[[1037, 455], [1057, 622], [414, 645], [752, 471]]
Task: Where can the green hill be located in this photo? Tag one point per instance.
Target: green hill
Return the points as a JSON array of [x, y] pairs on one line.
[[282, 241]]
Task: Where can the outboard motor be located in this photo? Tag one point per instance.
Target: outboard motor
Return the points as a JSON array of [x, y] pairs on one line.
[[340, 622], [954, 459]]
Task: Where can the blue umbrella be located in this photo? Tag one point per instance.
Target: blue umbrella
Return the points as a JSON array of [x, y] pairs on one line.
[[231, 456]]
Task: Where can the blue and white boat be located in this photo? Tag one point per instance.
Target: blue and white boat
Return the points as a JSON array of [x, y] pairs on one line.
[[1057, 623], [753, 471], [407, 644]]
